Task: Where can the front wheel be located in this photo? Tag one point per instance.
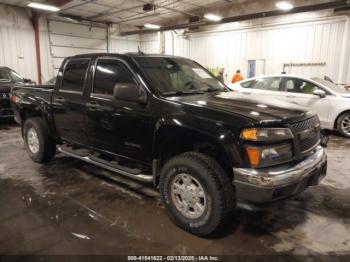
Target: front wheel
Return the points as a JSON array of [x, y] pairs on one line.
[[343, 124], [197, 193], [38, 143]]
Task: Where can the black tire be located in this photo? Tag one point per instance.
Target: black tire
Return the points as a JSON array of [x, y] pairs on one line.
[[47, 147], [340, 124], [218, 188]]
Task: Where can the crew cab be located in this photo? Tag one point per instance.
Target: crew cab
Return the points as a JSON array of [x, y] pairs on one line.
[[166, 120]]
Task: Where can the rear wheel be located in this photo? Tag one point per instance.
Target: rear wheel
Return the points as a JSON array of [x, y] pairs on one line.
[[197, 194], [343, 124], [38, 143]]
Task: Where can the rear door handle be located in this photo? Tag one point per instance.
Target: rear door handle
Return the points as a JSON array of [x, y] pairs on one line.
[[93, 105], [291, 96], [60, 99]]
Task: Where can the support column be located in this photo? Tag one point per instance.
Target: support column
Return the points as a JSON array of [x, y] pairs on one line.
[[35, 21]]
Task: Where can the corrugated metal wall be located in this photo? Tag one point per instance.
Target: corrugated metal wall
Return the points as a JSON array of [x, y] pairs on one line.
[[150, 43], [302, 38], [17, 45], [124, 44], [68, 39], [320, 40]]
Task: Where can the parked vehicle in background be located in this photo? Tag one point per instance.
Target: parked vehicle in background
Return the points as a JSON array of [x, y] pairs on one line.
[[329, 101], [8, 79], [167, 120]]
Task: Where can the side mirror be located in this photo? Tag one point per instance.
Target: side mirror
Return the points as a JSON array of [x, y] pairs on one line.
[[320, 93], [130, 92], [27, 81]]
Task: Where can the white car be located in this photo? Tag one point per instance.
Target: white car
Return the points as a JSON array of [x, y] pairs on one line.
[[330, 102]]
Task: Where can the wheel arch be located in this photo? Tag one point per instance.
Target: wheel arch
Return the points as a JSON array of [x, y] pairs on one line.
[[335, 125], [194, 136]]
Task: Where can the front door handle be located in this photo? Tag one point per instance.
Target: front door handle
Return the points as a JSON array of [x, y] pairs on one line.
[[93, 105], [60, 100], [291, 96]]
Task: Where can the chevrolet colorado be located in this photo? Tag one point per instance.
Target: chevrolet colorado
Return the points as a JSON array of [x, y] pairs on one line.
[[168, 121]]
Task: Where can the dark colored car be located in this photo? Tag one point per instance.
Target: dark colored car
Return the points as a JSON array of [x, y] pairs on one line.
[[8, 79], [167, 120]]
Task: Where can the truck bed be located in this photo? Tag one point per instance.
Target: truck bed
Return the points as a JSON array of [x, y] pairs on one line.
[[31, 97]]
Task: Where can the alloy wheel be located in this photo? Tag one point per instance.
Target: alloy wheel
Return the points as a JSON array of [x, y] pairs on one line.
[[33, 140], [188, 196]]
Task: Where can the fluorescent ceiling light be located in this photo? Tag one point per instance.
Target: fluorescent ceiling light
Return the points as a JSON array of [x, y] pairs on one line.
[[44, 7], [213, 17], [152, 26], [283, 5]]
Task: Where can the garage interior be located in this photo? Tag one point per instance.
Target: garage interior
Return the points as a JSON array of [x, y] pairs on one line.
[[68, 207]]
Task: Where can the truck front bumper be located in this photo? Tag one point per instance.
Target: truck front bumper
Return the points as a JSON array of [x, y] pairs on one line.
[[271, 184]]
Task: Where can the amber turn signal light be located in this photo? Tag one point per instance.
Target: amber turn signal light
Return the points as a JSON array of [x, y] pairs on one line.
[[254, 155], [250, 134]]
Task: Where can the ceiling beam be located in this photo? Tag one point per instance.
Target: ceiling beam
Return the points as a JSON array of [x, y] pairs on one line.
[[298, 9], [57, 3]]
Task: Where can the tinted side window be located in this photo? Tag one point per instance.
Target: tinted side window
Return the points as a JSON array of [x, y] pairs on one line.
[[108, 73], [295, 85], [272, 84], [74, 75]]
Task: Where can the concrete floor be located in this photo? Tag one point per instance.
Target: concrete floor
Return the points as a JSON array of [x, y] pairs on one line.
[[66, 207]]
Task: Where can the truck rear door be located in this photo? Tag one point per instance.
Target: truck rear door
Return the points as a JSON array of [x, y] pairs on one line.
[[68, 101]]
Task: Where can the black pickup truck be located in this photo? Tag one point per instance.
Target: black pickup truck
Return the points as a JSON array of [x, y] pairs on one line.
[[166, 120]]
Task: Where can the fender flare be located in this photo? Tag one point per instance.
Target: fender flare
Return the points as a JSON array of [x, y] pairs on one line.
[[214, 130]]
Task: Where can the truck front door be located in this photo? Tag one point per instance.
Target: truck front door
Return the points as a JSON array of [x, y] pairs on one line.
[[68, 101], [120, 127]]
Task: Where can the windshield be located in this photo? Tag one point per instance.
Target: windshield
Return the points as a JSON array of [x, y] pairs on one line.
[[331, 85], [176, 76], [9, 76]]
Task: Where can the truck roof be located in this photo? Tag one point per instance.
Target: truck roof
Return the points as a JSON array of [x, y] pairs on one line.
[[130, 55]]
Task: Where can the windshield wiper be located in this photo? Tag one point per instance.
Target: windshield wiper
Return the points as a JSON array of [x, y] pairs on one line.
[[181, 93], [213, 89]]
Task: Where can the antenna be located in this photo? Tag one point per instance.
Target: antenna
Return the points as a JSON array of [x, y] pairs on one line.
[[139, 51]]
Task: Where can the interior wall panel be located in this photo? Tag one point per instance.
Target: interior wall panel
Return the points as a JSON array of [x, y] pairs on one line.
[[69, 39], [297, 41], [150, 43], [17, 41], [124, 44]]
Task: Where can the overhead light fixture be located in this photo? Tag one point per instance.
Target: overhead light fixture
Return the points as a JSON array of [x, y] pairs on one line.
[[284, 5], [45, 7], [151, 26], [212, 17]]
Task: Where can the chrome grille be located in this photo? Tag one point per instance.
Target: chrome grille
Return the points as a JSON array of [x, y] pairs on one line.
[[304, 125], [307, 134], [308, 143]]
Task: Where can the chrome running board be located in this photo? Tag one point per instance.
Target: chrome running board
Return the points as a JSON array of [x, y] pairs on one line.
[[111, 167]]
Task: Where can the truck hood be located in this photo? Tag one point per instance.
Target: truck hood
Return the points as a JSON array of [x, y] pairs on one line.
[[258, 108]]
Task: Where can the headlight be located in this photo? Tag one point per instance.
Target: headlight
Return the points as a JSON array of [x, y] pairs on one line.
[[262, 156], [266, 134]]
